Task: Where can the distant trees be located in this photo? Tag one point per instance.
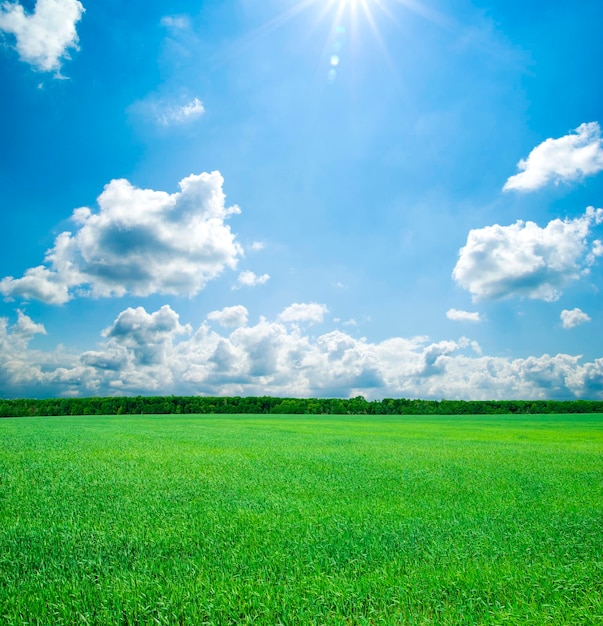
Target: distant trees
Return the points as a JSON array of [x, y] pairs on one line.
[[267, 404]]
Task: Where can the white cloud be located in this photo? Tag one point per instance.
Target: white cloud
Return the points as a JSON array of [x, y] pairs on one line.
[[248, 278], [147, 335], [139, 242], [138, 352], [526, 260], [22, 369], [175, 22], [167, 114], [256, 246], [43, 37], [463, 316], [230, 316], [573, 317], [154, 352], [566, 159], [311, 313], [38, 283]]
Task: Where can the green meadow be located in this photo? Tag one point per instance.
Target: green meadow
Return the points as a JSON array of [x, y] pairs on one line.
[[301, 520]]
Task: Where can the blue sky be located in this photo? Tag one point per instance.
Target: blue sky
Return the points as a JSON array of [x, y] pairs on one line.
[[301, 198]]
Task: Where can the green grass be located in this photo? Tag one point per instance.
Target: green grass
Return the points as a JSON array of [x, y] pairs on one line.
[[301, 520]]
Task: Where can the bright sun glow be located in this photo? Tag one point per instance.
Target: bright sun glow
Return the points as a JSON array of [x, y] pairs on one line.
[[347, 19]]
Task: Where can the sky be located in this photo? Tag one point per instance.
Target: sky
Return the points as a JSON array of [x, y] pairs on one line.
[[301, 198]]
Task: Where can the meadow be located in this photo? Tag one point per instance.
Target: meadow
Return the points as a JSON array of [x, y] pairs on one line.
[[297, 519]]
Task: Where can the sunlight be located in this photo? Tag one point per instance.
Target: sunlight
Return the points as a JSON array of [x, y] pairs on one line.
[[347, 18], [354, 13]]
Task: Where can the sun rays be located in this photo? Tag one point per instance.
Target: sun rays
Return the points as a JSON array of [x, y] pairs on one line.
[[347, 20]]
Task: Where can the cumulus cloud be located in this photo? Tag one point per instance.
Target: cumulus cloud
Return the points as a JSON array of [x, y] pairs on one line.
[[23, 371], [457, 315], [525, 260], [311, 313], [230, 316], [43, 37], [138, 350], [248, 278], [573, 317], [142, 352], [140, 242], [566, 159], [38, 283]]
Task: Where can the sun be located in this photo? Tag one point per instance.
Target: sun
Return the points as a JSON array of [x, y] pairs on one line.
[[352, 2], [347, 18]]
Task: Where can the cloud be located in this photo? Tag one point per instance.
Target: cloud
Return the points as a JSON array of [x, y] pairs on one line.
[[38, 283], [137, 353], [143, 353], [311, 313], [22, 369], [230, 316], [168, 114], [146, 335], [573, 317], [175, 22], [566, 159], [463, 316], [250, 279], [44, 37], [526, 260], [139, 242]]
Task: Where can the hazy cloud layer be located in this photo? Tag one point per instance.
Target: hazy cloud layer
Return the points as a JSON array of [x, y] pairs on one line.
[[566, 159], [154, 352], [43, 37], [573, 317], [140, 242], [175, 22], [526, 260]]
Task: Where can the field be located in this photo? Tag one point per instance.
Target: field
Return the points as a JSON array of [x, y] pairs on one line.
[[301, 520]]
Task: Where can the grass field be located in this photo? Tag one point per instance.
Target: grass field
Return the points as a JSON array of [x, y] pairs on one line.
[[301, 520]]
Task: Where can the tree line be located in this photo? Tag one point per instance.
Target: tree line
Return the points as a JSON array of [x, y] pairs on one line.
[[267, 404]]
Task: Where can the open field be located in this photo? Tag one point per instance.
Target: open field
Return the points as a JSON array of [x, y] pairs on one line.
[[301, 520]]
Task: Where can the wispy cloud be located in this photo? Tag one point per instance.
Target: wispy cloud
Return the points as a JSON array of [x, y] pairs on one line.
[[44, 37], [175, 22], [167, 114], [566, 159]]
